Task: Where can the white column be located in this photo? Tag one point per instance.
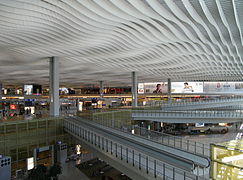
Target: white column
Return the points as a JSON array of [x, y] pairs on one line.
[[169, 91], [54, 86], [101, 89], [134, 90]]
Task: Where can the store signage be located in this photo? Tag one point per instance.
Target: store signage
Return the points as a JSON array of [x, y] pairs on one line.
[[12, 107], [30, 163], [199, 124]]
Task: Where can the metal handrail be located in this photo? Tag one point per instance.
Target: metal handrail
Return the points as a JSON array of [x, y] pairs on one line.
[[176, 142], [199, 114], [121, 152], [218, 100], [189, 146], [28, 120]]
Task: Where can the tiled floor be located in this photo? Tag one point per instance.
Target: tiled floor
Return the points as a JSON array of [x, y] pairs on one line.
[[217, 138], [70, 172]]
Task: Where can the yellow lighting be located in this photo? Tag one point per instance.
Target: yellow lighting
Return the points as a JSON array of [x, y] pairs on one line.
[[232, 158]]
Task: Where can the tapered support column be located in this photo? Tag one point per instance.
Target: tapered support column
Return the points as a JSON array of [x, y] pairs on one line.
[[101, 89], [169, 91], [134, 90], [54, 86]]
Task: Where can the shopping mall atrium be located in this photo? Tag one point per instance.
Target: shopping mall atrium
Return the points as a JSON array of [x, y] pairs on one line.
[[121, 89]]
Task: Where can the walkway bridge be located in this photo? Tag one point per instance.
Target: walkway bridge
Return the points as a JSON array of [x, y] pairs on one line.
[[154, 156], [236, 103], [188, 116]]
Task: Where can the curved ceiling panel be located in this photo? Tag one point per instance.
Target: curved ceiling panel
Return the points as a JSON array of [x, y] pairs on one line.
[[107, 39]]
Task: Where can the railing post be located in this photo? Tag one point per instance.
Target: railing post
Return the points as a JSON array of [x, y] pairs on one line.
[[95, 140], [203, 149], [116, 149], [83, 133], [163, 171], [121, 153], [184, 175], [107, 145], [155, 168], [147, 164], [181, 143], [139, 161], [187, 145], [173, 173], [92, 136], [132, 157], [102, 143], [127, 154], [195, 147], [174, 141], [111, 148]]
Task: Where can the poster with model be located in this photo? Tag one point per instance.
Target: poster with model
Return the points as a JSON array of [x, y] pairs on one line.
[[155, 87], [32, 89], [187, 87]]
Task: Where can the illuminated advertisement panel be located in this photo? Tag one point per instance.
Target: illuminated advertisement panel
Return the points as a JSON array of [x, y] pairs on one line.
[[223, 87], [32, 89], [187, 87], [155, 87], [28, 89], [190, 87]]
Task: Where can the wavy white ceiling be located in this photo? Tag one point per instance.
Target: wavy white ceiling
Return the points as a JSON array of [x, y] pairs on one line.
[[107, 39]]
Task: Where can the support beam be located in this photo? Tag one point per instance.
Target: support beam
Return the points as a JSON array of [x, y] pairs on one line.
[[169, 91], [101, 89], [54, 86], [134, 90]]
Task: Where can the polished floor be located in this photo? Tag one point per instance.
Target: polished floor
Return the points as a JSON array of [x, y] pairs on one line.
[[70, 172], [217, 138]]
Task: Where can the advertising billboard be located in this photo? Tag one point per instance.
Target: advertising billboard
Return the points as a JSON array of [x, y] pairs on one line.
[[155, 87], [32, 89], [28, 89], [187, 87], [223, 87], [191, 87]]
